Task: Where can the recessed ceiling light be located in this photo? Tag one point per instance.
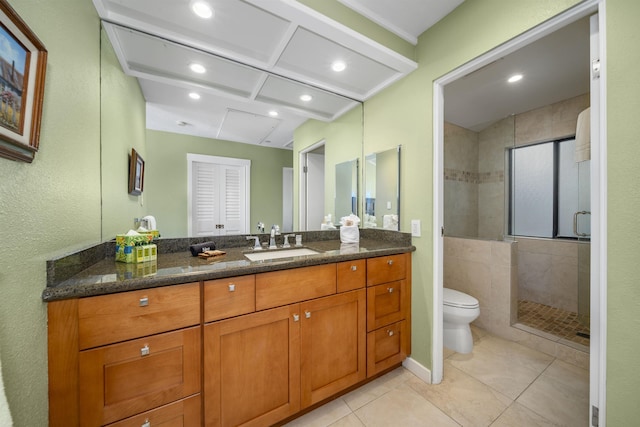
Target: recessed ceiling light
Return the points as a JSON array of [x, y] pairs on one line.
[[197, 68], [515, 78], [273, 113], [338, 66], [194, 95], [202, 9], [306, 98]]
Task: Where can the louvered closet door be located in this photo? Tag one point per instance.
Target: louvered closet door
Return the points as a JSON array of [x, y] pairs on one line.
[[219, 199]]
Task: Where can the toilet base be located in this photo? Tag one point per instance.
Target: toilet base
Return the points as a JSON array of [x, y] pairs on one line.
[[458, 337]]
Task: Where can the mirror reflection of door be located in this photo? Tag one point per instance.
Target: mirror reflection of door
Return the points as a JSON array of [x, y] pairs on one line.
[[218, 195], [312, 168], [287, 199]]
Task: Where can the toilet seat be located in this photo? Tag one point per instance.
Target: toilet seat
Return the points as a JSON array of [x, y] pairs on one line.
[[453, 298]]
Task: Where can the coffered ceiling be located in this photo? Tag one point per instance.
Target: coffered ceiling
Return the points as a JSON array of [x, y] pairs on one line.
[[259, 57]]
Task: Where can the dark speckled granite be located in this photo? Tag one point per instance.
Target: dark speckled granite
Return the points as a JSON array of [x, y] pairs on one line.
[[94, 271]]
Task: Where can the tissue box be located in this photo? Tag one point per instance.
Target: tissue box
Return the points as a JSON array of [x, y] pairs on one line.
[[125, 247]]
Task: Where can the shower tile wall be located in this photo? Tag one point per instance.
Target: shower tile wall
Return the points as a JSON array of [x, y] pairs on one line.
[[548, 272], [460, 181], [488, 271]]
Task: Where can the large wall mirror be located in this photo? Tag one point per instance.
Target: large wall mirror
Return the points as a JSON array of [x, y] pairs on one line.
[[124, 126], [382, 190]]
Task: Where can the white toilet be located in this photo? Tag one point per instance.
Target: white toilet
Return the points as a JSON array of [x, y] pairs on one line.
[[459, 310]]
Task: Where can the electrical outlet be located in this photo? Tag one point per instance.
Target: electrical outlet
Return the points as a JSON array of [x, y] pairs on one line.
[[415, 227]]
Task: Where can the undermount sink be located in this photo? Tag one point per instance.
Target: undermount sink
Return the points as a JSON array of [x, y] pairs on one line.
[[281, 253]]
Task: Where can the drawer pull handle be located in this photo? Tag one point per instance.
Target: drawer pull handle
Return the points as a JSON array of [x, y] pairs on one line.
[[144, 351], [232, 287], [354, 268], [296, 317], [307, 314], [390, 262], [390, 332], [144, 301], [390, 290], [146, 423]]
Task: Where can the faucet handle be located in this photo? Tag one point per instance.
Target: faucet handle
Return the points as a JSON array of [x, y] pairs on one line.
[[286, 240], [256, 243]]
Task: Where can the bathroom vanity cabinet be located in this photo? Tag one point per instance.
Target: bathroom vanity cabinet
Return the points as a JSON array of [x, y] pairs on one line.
[[251, 349]]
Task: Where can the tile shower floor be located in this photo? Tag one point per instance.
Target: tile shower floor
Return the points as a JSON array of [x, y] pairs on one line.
[[561, 323], [500, 384]]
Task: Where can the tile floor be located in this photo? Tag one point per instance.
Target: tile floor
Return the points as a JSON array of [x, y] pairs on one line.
[[500, 384], [561, 323]]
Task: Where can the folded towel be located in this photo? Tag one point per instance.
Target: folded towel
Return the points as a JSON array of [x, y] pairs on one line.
[[201, 247], [211, 254], [583, 136], [390, 222]]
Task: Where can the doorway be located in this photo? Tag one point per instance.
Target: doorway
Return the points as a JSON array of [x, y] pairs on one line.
[[595, 10], [312, 187]]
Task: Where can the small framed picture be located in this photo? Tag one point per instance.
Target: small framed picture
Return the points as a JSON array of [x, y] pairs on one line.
[[136, 173], [23, 62]]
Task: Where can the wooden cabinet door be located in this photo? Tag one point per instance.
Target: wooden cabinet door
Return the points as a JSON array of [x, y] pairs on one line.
[[121, 380], [387, 304], [333, 345], [387, 347], [252, 368], [183, 413]]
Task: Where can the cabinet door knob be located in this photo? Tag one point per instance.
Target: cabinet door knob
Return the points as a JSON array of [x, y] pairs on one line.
[[390, 332], [390, 290], [144, 301], [390, 262], [144, 351], [232, 287], [146, 423], [354, 268], [296, 317], [307, 314]]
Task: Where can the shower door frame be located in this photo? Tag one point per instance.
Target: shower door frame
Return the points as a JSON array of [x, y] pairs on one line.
[[597, 377]]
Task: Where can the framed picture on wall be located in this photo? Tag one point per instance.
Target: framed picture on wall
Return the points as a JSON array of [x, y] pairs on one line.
[[23, 62], [136, 173]]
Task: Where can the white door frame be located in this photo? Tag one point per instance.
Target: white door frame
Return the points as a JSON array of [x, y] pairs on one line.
[[598, 195], [302, 184]]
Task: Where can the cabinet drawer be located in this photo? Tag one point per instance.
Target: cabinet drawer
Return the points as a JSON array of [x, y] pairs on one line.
[[386, 304], [183, 413], [289, 286], [386, 347], [112, 318], [386, 269], [229, 297], [122, 380], [351, 275]]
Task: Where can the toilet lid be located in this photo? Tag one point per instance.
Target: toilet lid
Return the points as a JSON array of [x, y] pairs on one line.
[[454, 298]]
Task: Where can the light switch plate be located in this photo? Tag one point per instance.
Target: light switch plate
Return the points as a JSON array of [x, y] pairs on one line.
[[415, 227]]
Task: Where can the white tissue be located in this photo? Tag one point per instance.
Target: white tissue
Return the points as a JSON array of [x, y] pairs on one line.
[[132, 233]]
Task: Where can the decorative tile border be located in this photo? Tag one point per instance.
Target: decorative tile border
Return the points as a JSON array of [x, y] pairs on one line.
[[473, 177]]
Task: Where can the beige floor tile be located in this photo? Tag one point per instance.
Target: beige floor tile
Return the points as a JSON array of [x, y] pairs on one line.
[[520, 416], [323, 416], [350, 420], [503, 365], [402, 406], [560, 394], [465, 399], [376, 388], [446, 352]]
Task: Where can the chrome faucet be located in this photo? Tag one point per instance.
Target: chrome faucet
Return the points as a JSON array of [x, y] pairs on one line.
[[256, 243], [286, 240]]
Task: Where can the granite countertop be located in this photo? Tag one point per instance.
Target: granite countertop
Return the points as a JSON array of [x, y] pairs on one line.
[[107, 276]]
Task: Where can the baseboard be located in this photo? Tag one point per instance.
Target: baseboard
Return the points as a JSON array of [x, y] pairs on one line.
[[417, 369]]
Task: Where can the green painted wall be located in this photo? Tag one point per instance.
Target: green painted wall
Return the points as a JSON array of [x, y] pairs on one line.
[[166, 178], [52, 206], [343, 142], [122, 128], [623, 130]]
